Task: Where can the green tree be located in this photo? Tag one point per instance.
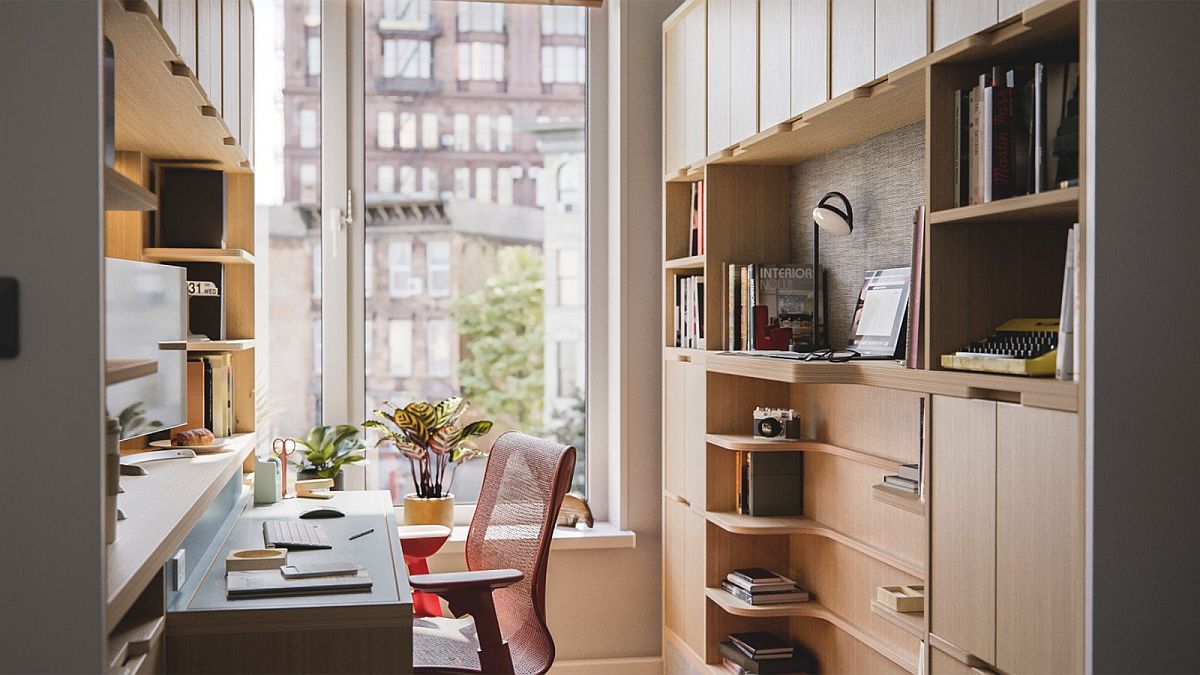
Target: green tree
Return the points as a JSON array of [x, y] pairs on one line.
[[500, 371]]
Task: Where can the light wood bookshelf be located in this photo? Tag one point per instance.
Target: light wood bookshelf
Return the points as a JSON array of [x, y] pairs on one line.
[[225, 256], [123, 194], [862, 419]]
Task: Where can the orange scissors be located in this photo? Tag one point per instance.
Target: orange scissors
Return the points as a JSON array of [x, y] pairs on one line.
[[284, 448]]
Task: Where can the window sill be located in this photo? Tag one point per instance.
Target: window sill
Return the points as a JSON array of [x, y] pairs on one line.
[[602, 536]]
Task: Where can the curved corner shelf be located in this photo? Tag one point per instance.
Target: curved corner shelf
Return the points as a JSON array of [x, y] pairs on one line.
[[225, 256], [745, 443], [912, 622], [901, 500], [813, 610], [738, 523]]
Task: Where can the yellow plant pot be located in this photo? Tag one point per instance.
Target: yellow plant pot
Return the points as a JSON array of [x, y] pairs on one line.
[[433, 511]]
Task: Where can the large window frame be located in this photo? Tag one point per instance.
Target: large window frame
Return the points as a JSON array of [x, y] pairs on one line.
[[343, 180]]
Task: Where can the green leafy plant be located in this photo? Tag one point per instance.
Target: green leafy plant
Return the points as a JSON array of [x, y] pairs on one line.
[[328, 449], [430, 436]]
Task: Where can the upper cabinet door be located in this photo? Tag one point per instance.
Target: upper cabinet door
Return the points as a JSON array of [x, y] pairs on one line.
[[853, 48], [810, 54], [901, 33], [719, 89], [694, 84], [1013, 7], [774, 62], [954, 20], [743, 70], [684, 100], [674, 107]]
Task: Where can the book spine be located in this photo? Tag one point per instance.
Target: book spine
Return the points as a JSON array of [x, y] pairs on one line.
[[1039, 127], [703, 244], [1077, 301], [1062, 361], [701, 335], [958, 158], [744, 307], [753, 334], [915, 285], [1002, 141], [985, 127], [975, 148]]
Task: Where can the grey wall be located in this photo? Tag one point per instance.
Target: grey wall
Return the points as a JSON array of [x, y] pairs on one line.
[[1143, 331], [884, 179], [51, 240]]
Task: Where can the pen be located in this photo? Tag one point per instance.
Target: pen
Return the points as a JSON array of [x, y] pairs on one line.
[[362, 534]]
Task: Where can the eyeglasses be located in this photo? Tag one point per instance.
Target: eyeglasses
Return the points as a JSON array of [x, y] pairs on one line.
[[832, 355]]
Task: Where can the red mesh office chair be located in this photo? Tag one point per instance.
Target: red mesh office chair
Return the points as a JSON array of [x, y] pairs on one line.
[[507, 550]]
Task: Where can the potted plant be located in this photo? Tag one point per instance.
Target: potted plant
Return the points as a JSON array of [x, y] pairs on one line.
[[430, 436], [327, 450]]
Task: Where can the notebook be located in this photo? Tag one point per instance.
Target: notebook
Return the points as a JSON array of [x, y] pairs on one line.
[[270, 583]]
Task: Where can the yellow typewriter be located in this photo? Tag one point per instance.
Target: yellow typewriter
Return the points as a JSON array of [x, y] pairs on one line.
[[1018, 347]]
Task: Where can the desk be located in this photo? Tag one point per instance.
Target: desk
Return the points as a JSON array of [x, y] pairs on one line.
[[352, 632]]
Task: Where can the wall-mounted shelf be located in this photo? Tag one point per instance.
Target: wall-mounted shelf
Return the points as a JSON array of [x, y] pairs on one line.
[[694, 262], [225, 256], [1052, 206], [123, 370], [752, 444], [220, 345], [122, 194], [739, 523], [912, 622], [899, 499]]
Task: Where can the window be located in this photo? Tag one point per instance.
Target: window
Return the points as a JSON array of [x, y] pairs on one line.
[[312, 53], [483, 133], [480, 17], [564, 63], [437, 346], [504, 186], [369, 347], [429, 181], [504, 133], [563, 20], [462, 132], [316, 271], [312, 13], [309, 128], [408, 180], [316, 346], [483, 61], [401, 283], [309, 193], [570, 187], [406, 14], [462, 183], [429, 131], [385, 179], [411, 59], [539, 191], [369, 271], [570, 364], [483, 184], [570, 272], [408, 130], [400, 344], [437, 263], [385, 130]]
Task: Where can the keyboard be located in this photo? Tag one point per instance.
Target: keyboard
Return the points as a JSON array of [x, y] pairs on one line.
[[294, 536]]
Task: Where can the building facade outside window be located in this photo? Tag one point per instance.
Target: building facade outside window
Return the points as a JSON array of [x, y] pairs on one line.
[[438, 344], [309, 178], [481, 61], [480, 17], [462, 132], [313, 55], [400, 343], [406, 14], [385, 130], [430, 139], [310, 130], [406, 58], [385, 181], [400, 270], [437, 263], [563, 20]]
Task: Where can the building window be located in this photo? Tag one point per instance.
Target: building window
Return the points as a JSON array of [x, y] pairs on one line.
[[309, 129], [483, 61], [570, 187], [462, 183], [369, 346], [401, 282], [504, 186], [563, 20], [312, 54], [406, 14], [539, 191], [483, 133], [385, 179], [385, 130], [312, 13], [437, 346], [483, 184], [369, 271], [408, 181], [504, 133], [400, 344], [408, 130], [570, 362], [480, 17], [570, 273], [564, 63], [411, 59], [316, 346], [437, 265], [316, 271], [429, 181], [462, 132], [308, 183], [429, 131]]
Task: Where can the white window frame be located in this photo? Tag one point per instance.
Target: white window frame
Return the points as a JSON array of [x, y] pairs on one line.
[[438, 264], [408, 130]]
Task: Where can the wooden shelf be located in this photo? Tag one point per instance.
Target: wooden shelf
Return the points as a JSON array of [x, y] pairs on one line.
[[739, 523], [225, 256], [684, 354], [123, 370], [912, 622], [814, 610], [122, 194], [751, 444], [161, 109], [1032, 391], [1053, 206], [161, 508], [220, 346], [689, 175], [694, 262], [899, 499]]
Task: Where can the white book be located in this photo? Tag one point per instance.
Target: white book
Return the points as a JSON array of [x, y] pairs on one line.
[[1077, 290], [1064, 361], [986, 126]]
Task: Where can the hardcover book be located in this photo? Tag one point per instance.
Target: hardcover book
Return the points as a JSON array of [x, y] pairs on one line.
[[788, 292]]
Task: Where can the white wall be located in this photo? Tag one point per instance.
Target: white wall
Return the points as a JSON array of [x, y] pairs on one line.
[[51, 397]]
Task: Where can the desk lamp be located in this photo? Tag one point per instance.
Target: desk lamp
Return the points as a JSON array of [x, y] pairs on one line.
[[837, 222]]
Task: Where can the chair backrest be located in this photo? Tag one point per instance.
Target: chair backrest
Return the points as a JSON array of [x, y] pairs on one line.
[[523, 489]]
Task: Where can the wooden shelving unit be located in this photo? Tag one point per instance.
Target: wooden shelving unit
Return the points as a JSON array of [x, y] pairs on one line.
[[123, 194], [751, 444], [220, 345], [898, 499], [123, 370], [1053, 206], [695, 262], [913, 622], [225, 256]]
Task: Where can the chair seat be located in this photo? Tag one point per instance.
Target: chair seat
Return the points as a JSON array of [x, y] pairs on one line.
[[443, 642]]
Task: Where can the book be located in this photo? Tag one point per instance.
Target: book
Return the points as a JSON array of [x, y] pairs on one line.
[[901, 482], [270, 583], [986, 131], [1064, 359], [756, 575], [975, 146], [915, 355], [761, 644], [793, 594], [789, 294], [910, 471], [737, 661], [1002, 141], [1077, 303], [731, 302], [771, 586], [743, 307], [1038, 151]]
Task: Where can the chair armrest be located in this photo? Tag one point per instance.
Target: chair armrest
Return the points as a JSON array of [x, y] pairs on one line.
[[468, 582]]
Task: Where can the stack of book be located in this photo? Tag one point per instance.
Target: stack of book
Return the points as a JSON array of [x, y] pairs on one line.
[[210, 394], [762, 652], [698, 225], [908, 481], [770, 307], [689, 312], [758, 586], [1018, 132]]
